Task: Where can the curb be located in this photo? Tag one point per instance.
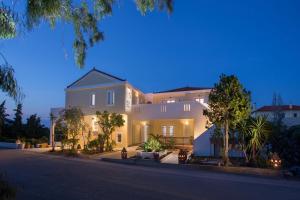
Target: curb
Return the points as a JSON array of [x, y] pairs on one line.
[[270, 173]]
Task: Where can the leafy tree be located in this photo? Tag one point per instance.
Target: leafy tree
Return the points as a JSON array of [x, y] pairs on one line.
[[3, 116], [286, 143], [108, 122], [73, 118], [60, 133], [259, 130], [84, 18], [17, 124], [8, 82], [229, 103], [34, 128]]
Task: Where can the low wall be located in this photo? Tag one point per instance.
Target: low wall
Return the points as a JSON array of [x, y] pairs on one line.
[[8, 145]]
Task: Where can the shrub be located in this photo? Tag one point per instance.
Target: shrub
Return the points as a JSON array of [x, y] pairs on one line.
[[170, 144], [152, 144], [93, 144]]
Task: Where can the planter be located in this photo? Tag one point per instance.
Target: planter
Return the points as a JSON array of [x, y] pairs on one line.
[[156, 156], [21, 146], [150, 155]]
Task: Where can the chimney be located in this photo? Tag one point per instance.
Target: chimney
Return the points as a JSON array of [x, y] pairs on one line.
[[290, 106]]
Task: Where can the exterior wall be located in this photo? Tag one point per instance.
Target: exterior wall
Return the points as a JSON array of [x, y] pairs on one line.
[[94, 133], [82, 97], [288, 119]]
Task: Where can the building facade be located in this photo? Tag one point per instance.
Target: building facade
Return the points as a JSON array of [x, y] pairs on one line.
[[290, 113], [176, 114]]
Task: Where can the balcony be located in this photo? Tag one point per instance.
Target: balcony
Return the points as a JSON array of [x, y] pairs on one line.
[[177, 110]]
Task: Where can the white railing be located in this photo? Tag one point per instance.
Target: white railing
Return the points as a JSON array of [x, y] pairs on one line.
[[183, 109]]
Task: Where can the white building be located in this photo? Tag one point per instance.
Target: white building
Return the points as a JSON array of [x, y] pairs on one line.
[[290, 113], [176, 113]]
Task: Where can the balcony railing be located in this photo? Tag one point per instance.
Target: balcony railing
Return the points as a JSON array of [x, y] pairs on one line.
[[184, 109], [177, 140]]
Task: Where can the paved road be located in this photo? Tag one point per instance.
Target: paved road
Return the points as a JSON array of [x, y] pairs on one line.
[[46, 177]]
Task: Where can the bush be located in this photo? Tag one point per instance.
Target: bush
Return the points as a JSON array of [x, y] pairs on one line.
[[93, 144], [152, 144], [170, 144]]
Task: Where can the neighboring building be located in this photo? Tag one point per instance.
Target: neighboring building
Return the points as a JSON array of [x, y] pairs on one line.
[[174, 113], [290, 113]]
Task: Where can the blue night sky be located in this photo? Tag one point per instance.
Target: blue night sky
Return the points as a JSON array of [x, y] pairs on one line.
[[256, 40]]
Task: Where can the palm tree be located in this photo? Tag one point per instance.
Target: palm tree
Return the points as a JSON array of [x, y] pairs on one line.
[[243, 130], [258, 132]]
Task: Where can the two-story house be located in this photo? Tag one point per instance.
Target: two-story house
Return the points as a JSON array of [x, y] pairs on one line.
[[176, 114]]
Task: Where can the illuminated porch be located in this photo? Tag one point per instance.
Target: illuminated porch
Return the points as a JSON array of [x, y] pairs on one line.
[[179, 131]]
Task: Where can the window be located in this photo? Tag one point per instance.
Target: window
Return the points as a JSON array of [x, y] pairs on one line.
[[164, 130], [171, 131], [171, 101], [119, 137], [187, 107], [94, 124], [163, 108], [199, 100], [295, 115], [93, 100], [110, 97]]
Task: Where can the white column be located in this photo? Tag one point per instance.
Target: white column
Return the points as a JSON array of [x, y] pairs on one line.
[[145, 132]]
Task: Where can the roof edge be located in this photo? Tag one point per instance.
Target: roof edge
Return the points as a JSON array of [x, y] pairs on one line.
[[96, 70]]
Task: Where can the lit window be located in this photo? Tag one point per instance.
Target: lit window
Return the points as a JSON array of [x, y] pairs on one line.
[[119, 137], [187, 107], [171, 131], [199, 100], [163, 108], [93, 100], [110, 97], [94, 124], [171, 101], [164, 130]]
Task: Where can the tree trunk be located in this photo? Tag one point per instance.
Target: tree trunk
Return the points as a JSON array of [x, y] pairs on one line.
[[226, 158]]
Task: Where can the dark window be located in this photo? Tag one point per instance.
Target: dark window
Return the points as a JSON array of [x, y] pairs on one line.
[[119, 137], [295, 115]]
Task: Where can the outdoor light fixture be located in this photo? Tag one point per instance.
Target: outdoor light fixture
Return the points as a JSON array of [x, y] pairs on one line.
[[275, 161], [182, 156], [124, 153]]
